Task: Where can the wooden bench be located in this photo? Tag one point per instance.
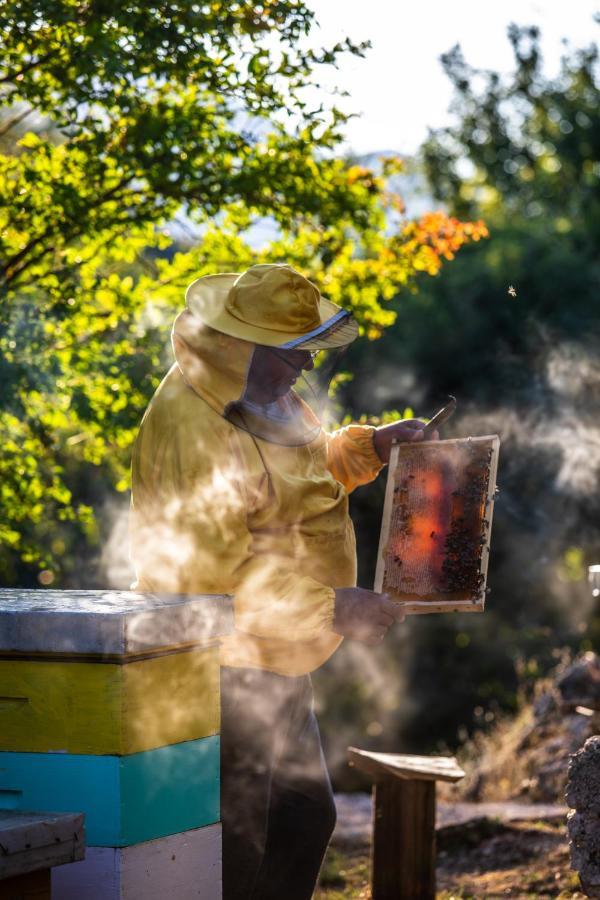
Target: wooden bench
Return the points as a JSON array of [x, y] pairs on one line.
[[403, 854], [30, 845]]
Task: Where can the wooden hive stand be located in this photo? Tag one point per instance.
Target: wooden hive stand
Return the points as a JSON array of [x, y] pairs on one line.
[[403, 854]]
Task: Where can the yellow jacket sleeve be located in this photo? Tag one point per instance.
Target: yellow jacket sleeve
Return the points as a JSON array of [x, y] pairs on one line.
[[351, 455], [207, 538]]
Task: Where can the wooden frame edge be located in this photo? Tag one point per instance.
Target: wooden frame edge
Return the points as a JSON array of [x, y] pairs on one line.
[[386, 518]]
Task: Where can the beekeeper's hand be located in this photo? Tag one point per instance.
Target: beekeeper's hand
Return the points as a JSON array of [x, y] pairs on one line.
[[404, 430], [363, 615]]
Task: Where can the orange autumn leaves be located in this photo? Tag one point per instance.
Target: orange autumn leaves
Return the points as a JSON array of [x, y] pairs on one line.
[[437, 236]]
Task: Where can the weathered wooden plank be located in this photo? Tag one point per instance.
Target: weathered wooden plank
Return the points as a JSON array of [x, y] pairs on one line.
[[423, 768], [126, 799], [404, 840], [31, 841], [33, 886], [113, 623], [184, 866], [94, 708]]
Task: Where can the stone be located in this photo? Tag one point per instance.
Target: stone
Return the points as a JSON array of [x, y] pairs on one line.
[[544, 705], [584, 843], [579, 684], [583, 788], [583, 825]]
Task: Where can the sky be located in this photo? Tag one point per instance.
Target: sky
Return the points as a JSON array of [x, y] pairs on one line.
[[400, 87]]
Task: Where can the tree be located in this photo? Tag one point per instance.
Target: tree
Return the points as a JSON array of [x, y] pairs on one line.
[[531, 143], [523, 153], [136, 115]]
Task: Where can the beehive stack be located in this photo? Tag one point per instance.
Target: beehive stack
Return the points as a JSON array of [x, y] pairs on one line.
[[436, 527], [110, 707]]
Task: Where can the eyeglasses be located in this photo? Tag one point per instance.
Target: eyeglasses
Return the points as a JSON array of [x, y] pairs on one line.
[[285, 354]]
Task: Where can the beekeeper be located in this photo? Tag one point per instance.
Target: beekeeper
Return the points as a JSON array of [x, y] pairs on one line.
[[238, 489]]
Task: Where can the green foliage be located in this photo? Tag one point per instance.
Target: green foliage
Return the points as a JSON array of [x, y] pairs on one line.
[[138, 115], [157, 109], [531, 143]]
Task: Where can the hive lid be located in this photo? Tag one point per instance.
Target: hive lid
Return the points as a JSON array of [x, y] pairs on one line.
[[108, 623]]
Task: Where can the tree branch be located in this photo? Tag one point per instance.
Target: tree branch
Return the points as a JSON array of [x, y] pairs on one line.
[[24, 69], [12, 264], [15, 121]]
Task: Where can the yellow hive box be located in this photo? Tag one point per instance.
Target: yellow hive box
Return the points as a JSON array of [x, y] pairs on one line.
[[108, 708]]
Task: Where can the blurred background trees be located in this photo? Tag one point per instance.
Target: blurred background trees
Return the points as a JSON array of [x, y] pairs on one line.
[[511, 328]]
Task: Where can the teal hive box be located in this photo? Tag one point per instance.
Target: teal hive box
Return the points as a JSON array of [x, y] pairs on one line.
[[126, 799]]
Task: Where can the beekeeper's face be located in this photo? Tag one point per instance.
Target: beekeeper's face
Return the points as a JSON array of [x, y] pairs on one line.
[[273, 372]]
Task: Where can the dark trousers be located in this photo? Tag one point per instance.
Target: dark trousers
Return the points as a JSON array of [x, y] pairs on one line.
[[277, 804]]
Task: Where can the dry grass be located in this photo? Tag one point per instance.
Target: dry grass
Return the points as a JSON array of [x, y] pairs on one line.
[[496, 767], [525, 757], [520, 861], [345, 874]]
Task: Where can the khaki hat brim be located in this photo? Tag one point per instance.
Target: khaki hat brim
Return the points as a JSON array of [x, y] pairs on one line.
[[206, 298]]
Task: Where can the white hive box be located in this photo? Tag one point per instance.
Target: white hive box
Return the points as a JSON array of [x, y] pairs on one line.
[[183, 866]]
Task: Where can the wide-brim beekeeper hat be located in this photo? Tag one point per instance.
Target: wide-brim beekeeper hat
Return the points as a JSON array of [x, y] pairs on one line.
[[273, 305]]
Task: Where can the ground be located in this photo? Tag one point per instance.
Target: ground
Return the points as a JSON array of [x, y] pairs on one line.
[[483, 860], [501, 831]]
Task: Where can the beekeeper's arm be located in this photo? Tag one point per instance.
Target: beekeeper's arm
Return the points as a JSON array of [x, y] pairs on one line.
[[356, 453]]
